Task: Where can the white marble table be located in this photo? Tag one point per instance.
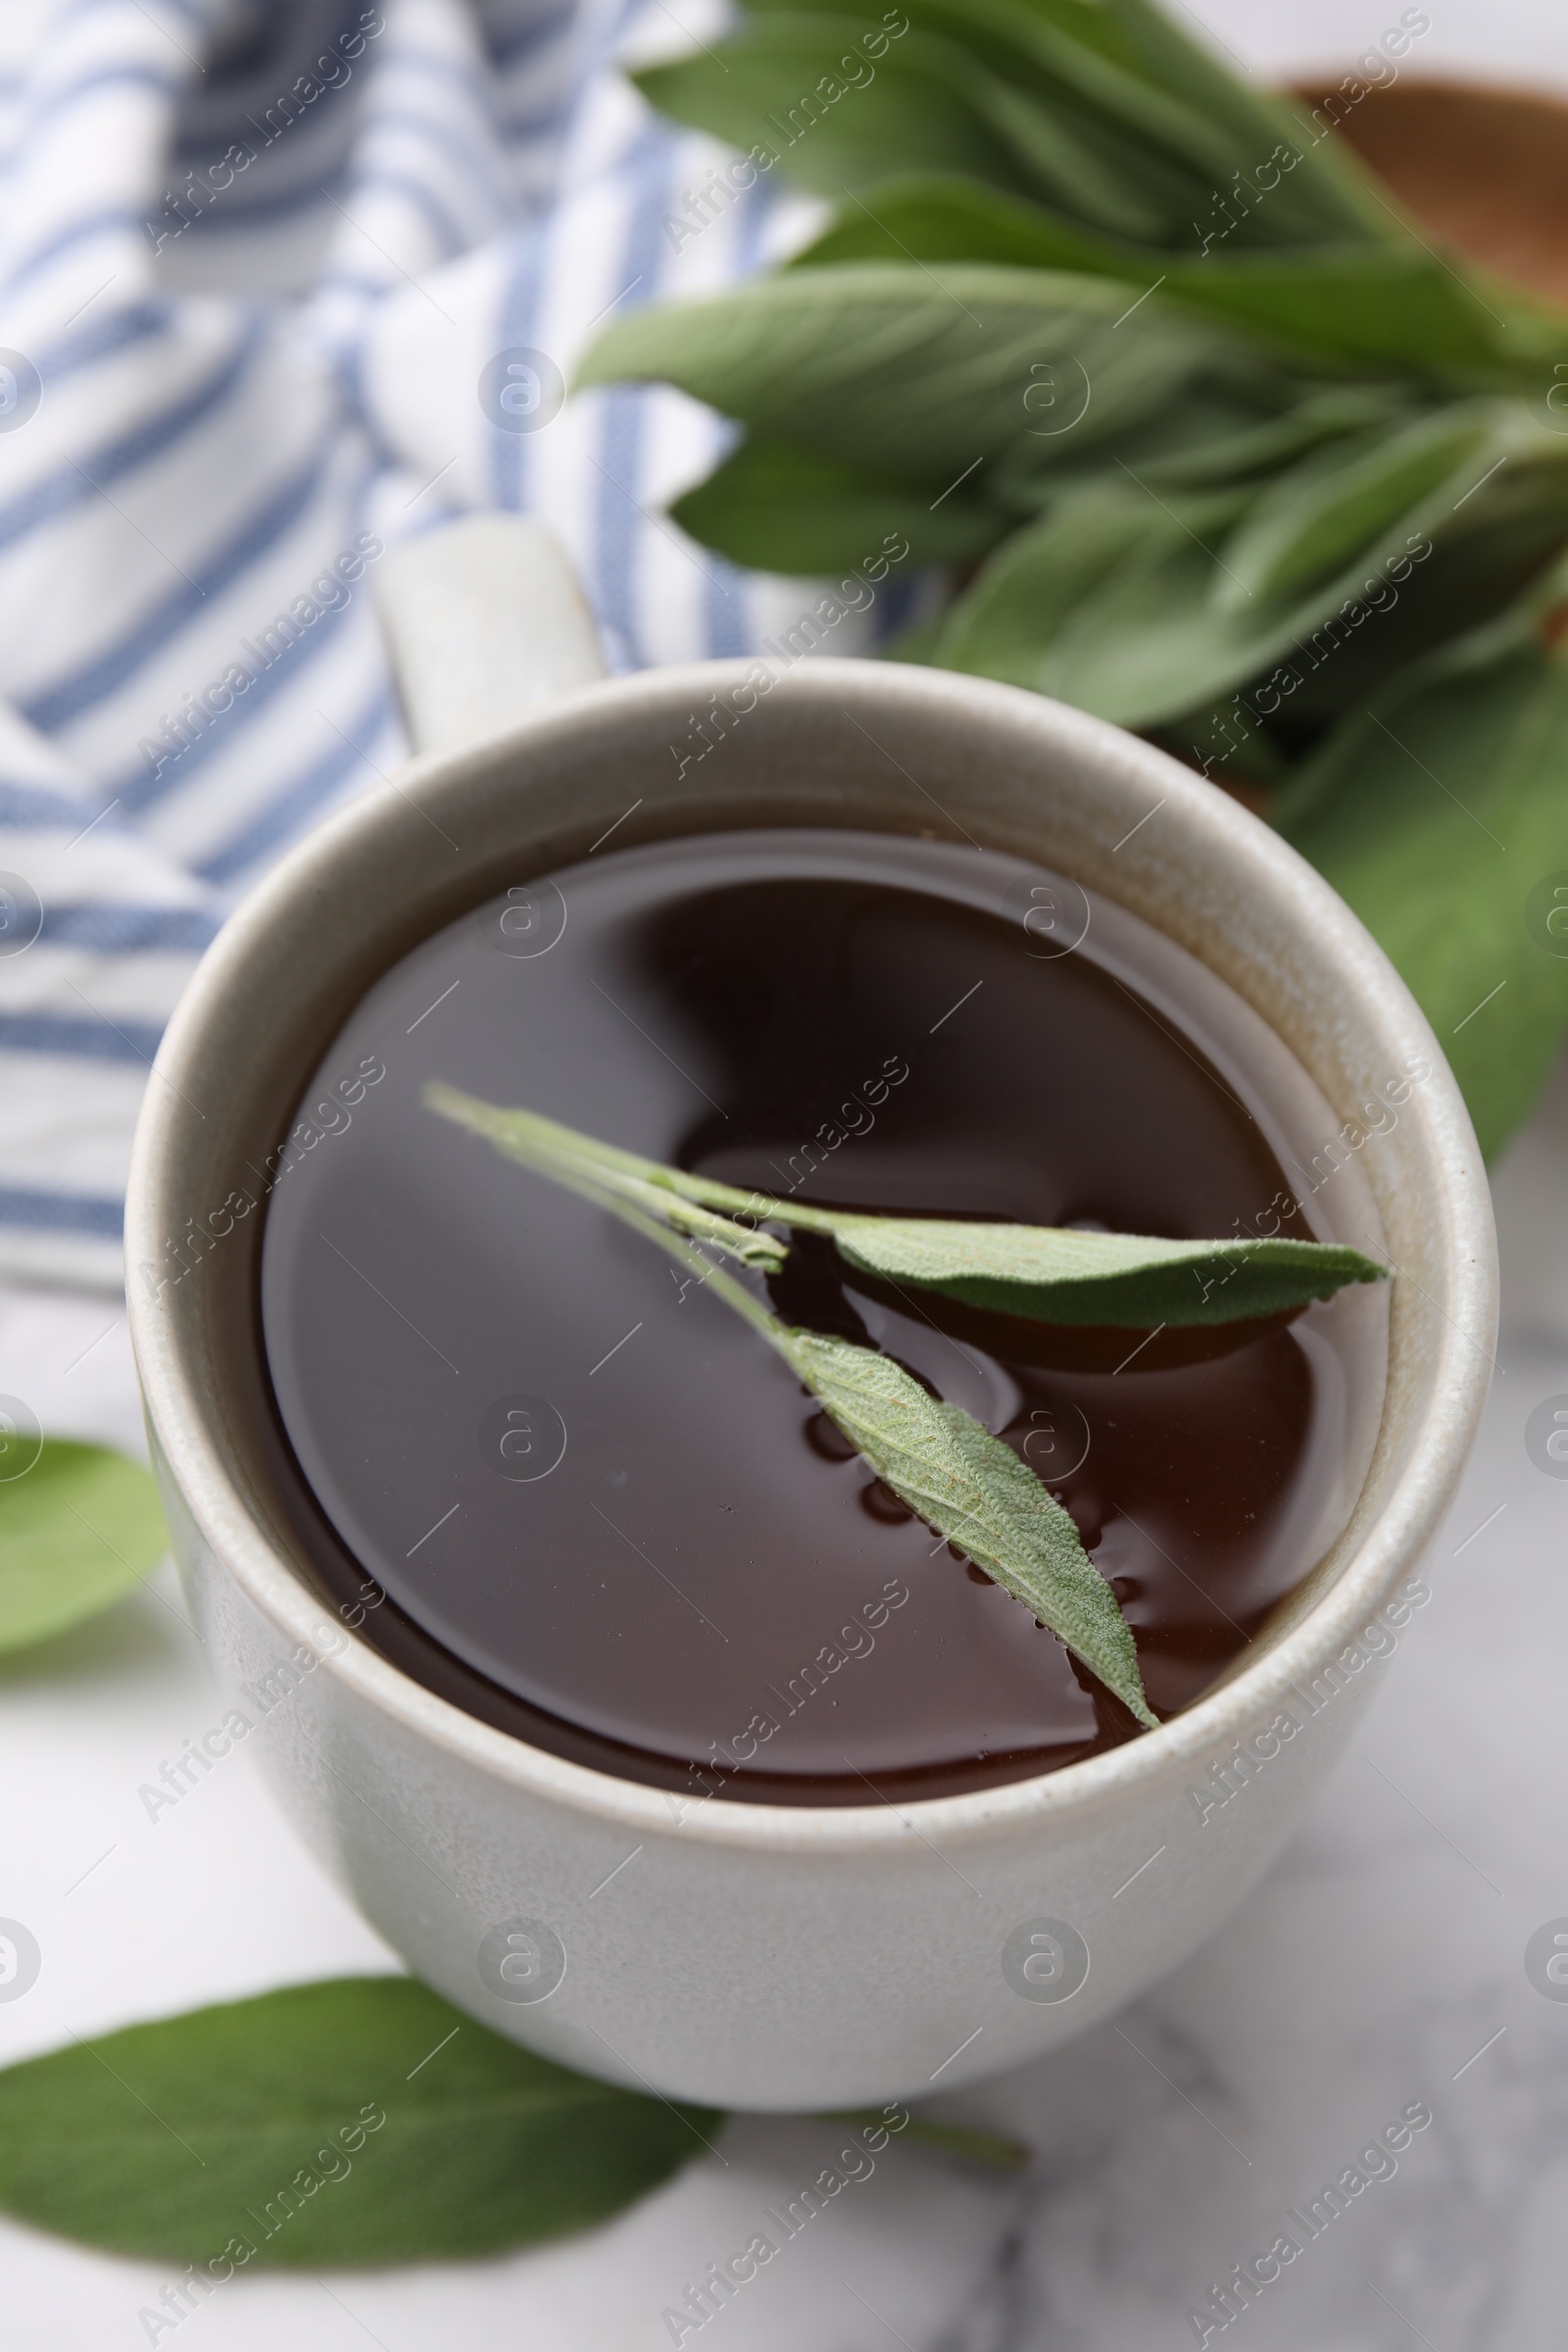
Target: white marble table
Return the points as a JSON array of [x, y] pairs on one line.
[[1380, 1966]]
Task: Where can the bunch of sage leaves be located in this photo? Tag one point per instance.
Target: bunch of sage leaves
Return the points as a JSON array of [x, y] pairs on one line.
[[1220, 447]]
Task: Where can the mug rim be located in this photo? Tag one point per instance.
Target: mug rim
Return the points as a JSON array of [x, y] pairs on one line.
[[186, 1434]]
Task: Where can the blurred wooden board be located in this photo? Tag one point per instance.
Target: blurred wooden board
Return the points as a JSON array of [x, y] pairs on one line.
[[1486, 170]]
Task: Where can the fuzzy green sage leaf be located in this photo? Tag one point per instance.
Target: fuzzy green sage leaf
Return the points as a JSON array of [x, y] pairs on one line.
[[1049, 1274], [943, 1464], [1058, 1275], [80, 1528], [357, 2121], [973, 1488]]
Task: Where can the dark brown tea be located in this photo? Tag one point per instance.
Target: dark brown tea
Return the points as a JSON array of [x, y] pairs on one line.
[[602, 1514]]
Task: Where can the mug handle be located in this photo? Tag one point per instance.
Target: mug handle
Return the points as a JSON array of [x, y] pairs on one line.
[[481, 619]]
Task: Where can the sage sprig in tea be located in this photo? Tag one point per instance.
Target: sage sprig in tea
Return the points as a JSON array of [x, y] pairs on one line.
[[946, 1466]]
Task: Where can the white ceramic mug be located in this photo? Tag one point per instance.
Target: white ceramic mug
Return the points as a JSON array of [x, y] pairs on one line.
[[770, 1956]]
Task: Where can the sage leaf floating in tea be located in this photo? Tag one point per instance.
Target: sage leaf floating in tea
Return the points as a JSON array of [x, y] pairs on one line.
[[1051, 1274], [972, 1488], [1058, 1275], [943, 1464]]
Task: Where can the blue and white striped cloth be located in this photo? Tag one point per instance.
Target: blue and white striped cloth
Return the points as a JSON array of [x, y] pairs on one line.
[[254, 259]]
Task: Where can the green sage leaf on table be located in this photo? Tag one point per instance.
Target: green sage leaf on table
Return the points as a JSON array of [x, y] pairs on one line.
[[78, 1530], [972, 1488], [361, 2120], [1440, 814]]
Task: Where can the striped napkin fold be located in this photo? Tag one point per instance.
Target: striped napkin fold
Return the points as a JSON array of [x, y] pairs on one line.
[[280, 286]]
